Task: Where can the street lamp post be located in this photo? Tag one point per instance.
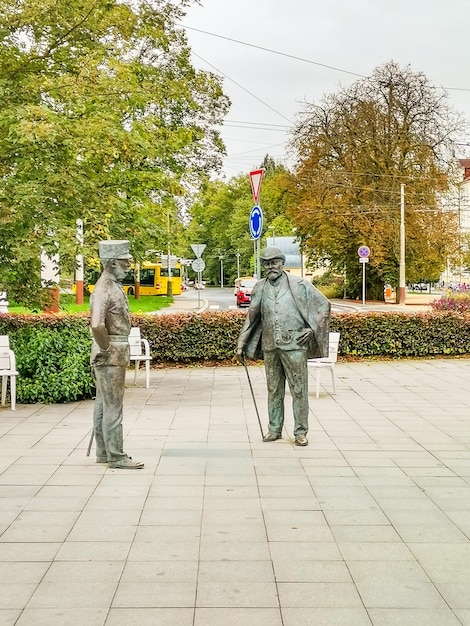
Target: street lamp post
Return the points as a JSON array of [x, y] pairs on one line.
[[402, 270], [169, 284], [294, 230], [274, 236], [221, 271]]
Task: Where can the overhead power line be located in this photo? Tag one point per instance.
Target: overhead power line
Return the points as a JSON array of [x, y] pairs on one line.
[[284, 54], [254, 126], [281, 126], [244, 88], [297, 58]]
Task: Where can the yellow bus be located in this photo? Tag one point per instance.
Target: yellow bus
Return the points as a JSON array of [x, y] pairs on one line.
[[153, 279]]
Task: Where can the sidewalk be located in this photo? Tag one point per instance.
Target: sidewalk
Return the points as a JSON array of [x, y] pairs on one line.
[[185, 305], [369, 524]]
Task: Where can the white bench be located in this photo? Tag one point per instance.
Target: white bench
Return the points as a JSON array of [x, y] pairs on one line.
[[3, 302], [8, 370], [139, 351]]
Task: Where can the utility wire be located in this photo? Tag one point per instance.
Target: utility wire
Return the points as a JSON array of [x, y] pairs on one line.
[[244, 89], [284, 54], [281, 126], [297, 58]]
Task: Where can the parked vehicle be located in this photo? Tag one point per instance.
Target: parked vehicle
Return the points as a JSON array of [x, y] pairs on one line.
[[244, 291], [238, 282]]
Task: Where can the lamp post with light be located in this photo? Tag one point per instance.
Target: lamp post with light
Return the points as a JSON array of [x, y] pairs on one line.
[[274, 236]]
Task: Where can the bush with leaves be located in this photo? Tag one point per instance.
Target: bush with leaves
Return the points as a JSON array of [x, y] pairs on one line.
[[52, 356], [53, 351], [399, 335], [189, 338], [456, 302]]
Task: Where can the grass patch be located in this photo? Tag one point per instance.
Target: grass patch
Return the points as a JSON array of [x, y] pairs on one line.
[[145, 304]]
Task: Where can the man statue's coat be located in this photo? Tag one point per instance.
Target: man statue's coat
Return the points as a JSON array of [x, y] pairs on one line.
[[312, 305]]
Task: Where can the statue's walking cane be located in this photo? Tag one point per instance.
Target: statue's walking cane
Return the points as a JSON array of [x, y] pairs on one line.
[[252, 395], [91, 441]]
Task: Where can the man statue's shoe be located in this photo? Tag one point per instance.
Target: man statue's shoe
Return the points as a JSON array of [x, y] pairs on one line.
[[126, 463], [301, 440], [272, 436]]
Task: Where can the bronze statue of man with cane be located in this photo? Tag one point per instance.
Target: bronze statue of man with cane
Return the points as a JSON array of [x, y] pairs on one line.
[[287, 323]]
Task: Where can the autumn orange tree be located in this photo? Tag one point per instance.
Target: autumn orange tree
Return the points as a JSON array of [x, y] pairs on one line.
[[355, 150]]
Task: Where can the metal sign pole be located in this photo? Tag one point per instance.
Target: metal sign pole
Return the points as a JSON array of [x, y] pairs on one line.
[[363, 252], [256, 217], [363, 284], [198, 266], [256, 228]]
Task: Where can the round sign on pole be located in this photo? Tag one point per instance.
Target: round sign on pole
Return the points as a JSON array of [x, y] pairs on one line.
[[256, 222], [363, 252], [198, 265]]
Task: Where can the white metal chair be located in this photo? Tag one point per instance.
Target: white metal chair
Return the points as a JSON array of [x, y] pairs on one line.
[[8, 370], [140, 351], [326, 362]]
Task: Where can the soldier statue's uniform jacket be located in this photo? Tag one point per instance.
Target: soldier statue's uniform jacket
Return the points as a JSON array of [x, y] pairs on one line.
[[110, 314]]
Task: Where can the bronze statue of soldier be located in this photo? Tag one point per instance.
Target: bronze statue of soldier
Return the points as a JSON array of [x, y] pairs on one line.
[[287, 323], [110, 327]]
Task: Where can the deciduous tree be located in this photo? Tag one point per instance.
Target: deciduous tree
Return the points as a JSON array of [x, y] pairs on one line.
[[220, 219], [102, 118], [355, 150]]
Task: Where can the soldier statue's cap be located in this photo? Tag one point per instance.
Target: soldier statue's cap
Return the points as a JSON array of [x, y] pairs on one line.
[[270, 253], [114, 249]]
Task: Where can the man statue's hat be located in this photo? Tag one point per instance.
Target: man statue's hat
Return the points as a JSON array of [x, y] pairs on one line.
[[114, 249], [271, 253]]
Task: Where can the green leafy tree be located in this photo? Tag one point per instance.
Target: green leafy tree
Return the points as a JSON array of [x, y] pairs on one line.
[[355, 150], [102, 118], [220, 219]]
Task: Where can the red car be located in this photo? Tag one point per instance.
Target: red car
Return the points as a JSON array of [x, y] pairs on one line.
[[244, 292]]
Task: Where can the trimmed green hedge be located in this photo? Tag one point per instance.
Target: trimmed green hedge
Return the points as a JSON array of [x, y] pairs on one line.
[[53, 351], [52, 356], [395, 335], [191, 338]]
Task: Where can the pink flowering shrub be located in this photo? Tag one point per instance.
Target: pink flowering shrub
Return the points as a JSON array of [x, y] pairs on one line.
[[459, 302]]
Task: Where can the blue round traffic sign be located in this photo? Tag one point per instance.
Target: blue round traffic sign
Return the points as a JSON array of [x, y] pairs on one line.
[[256, 222], [363, 252]]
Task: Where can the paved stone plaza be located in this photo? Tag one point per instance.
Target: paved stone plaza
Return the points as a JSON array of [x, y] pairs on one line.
[[369, 524]]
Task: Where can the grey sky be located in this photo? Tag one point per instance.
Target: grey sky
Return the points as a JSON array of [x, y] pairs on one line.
[[352, 35]]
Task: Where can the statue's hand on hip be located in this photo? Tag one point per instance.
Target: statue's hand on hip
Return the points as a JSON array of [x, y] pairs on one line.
[[305, 336], [101, 358]]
